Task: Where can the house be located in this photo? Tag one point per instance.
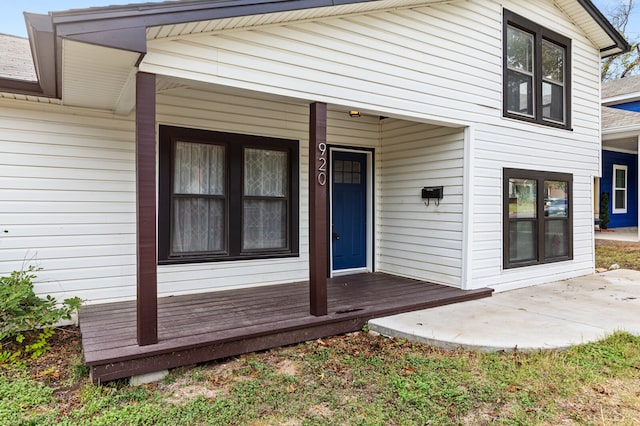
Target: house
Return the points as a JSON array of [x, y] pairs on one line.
[[620, 141], [174, 149]]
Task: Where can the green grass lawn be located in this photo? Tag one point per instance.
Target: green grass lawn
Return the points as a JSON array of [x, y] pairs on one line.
[[357, 379], [625, 254]]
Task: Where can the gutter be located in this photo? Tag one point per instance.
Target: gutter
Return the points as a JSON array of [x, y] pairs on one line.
[[620, 44]]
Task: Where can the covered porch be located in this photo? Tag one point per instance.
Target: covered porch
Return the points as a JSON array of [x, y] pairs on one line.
[[196, 304], [204, 327], [619, 178]]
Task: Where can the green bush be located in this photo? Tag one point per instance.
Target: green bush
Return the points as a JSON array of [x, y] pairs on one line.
[[25, 318], [604, 210]]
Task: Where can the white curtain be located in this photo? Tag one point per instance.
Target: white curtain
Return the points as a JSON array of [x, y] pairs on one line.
[[265, 220], [199, 220]]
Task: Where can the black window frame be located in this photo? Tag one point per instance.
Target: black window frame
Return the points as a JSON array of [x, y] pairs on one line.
[[235, 145], [540, 177], [539, 34]]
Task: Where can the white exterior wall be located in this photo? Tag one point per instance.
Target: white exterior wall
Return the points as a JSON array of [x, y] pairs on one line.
[[514, 144], [438, 63], [67, 192], [281, 119], [67, 199], [416, 240]]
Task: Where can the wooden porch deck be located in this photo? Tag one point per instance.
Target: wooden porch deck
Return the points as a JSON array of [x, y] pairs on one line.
[[204, 327]]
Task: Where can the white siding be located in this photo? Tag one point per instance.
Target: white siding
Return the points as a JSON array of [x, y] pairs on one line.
[[67, 199], [434, 63], [67, 193], [404, 62], [414, 239], [514, 144]]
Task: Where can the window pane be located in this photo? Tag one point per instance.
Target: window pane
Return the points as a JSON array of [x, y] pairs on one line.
[[519, 49], [621, 181], [553, 102], [620, 199], [552, 62], [556, 198], [556, 238], [522, 241], [198, 225], [522, 198], [265, 173], [199, 169], [264, 224], [519, 93]]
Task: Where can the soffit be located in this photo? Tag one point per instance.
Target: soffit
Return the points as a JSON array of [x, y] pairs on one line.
[[620, 129], [96, 76], [628, 144], [577, 12], [275, 18]]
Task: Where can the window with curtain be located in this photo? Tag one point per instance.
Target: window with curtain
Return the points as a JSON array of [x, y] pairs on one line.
[[226, 196], [537, 217], [536, 72]]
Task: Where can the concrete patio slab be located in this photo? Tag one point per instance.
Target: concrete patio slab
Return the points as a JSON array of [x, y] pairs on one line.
[[618, 234], [550, 316]]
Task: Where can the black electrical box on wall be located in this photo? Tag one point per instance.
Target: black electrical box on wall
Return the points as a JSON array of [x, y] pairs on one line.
[[432, 192]]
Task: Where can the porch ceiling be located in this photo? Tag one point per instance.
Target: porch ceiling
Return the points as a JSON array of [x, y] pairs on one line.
[[98, 77], [627, 144]]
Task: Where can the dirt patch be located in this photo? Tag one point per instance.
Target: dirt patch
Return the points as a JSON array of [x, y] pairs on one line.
[[321, 410], [182, 394], [611, 402], [288, 367]]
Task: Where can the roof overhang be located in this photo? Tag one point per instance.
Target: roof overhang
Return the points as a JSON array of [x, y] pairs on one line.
[[618, 44], [124, 28]]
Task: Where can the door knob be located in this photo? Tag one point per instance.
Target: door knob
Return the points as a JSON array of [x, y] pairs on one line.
[[335, 236]]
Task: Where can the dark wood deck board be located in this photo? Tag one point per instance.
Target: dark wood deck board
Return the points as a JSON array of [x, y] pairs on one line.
[[206, 326]]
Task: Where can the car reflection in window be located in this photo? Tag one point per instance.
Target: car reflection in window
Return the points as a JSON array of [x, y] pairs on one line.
[[555, 207]]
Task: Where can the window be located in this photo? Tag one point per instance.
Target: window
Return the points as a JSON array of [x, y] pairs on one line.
[[536, 72], [537, 217], [619, 189], [226, 196]]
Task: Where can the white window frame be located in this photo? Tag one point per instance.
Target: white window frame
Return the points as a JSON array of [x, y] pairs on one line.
[[615, 189]]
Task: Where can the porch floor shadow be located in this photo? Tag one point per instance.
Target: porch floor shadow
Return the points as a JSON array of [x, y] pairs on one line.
[[203, 327]]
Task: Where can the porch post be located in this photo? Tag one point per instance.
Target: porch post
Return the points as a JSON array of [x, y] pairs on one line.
[[318, 182], [147, 292]]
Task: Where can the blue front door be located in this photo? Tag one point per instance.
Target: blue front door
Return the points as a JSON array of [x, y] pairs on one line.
[[349, 210]]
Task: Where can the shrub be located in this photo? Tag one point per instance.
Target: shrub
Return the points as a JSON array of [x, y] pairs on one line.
[[26, 320], [604, 210]]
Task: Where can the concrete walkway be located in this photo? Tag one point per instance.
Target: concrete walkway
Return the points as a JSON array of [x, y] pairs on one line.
[[550, 316], [618, 234]]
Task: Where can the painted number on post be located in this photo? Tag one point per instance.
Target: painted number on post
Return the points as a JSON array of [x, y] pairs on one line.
[[322, 167]]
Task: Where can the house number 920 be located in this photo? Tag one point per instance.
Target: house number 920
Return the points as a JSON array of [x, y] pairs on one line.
[[322, 168]]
